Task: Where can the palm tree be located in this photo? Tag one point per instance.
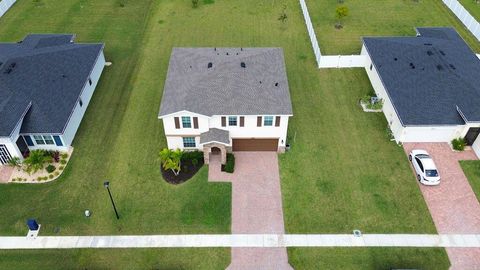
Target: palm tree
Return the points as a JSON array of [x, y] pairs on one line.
[[15, 162], [171, 160], [36, 161]]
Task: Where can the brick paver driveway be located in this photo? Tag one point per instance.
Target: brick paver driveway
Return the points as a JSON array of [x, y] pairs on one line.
[[452, 204], [256, 207]]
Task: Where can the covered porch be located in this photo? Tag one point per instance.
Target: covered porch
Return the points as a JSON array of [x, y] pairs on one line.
[[216, 143]]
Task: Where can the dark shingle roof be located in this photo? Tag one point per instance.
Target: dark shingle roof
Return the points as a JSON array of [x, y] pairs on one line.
[[48, 72], [227, 88], [427, 77], [215, 135]]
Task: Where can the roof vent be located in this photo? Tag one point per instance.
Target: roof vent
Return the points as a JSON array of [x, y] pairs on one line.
[[442, 52], [430, 53], [412, 66], [210, 65], [242, 64], [452, 66], [439, 67], [241, 49], [215, 49], [276, 84], [227, 53], [7, 71], [260, 82], [395, 59], [427, 44]]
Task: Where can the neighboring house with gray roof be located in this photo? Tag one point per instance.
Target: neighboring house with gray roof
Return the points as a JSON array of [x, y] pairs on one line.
[[46, 83], [430, 85], [233, 99]]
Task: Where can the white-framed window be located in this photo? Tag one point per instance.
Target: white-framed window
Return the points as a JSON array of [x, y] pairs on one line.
[[43, 139], [189, 142], [232, 121], [186, 122], [268, 121]]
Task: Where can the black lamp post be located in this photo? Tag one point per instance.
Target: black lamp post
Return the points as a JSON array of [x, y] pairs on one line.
[[107, 185]]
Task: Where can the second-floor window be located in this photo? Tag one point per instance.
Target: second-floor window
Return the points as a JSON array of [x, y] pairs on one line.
[[268, 121], [186, 122], [232, 121]]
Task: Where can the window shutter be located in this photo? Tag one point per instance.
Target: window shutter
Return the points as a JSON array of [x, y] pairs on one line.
[[242, 121], [195, 122], [277, 121], [224, 121], [177, 123], [259, 121]]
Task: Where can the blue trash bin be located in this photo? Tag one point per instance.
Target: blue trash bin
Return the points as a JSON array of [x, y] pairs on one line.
[[32, 225]]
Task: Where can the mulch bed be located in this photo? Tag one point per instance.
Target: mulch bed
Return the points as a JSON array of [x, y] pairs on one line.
[[187, 172]]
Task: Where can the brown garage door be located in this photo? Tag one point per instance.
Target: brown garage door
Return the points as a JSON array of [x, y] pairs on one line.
[[255, 144]]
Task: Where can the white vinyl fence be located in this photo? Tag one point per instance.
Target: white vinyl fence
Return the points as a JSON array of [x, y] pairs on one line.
[[464, 16], [5, 5], [329, 61]]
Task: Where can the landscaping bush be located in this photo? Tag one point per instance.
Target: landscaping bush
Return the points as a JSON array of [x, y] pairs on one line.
[[50, 176], [459, 144], [50, 168], [61, 168], [229, 166], [63, 161], [56, 173], [64, 155], [36, 160]]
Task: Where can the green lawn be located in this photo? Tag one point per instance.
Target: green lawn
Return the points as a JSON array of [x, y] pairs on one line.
[[91, 259], [471, 168], [472, 7], [342, 173], [379, 18], [371, 258]]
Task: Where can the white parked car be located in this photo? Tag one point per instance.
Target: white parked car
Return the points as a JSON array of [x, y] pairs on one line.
[[425, 168]]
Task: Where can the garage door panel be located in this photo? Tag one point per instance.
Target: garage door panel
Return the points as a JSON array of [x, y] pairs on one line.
[[255, 145]]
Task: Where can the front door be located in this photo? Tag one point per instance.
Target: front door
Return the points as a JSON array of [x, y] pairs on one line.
[[472, 135], [22, 146], [4, 154]]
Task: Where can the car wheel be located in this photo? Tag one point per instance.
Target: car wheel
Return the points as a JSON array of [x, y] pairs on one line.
[[410, 157], [419, 178]]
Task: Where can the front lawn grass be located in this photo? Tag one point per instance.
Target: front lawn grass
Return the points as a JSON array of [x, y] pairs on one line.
[[473, 8], [171, 258], [368, 258], [471, 168], [379, 18]]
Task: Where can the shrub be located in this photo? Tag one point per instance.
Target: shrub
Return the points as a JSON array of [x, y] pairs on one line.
[[171, 160], [63, 161], [50, 176], [194, 3], [39, 178], [56, 173], [50, 168], [61, 168], [192, 155], [45, 178], [229, 166], [459, 144], [15, 162], [64, 155], [36, 160]]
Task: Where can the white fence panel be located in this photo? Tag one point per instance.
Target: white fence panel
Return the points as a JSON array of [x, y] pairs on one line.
[[311, 31], [464, 16], [342, 61], [5, 5]]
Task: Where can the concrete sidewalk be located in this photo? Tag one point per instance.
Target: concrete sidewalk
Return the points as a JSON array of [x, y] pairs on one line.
[[243, 241]]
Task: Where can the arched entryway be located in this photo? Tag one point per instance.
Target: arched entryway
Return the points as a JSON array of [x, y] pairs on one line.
[[215, 150]]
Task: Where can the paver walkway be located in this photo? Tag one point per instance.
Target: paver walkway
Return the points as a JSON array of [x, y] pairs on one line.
[[452, 204], [256, 207], [257, 241], [5, 173]]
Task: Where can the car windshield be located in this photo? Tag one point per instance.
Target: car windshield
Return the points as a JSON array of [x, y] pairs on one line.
[[431, 173], [423, 156]]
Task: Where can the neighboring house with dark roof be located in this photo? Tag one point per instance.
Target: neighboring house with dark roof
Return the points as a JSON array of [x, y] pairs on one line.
[[430, 85], [46, 83], [227, 99]]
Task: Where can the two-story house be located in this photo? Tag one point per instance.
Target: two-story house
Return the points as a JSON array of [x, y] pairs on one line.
[[226, 99]]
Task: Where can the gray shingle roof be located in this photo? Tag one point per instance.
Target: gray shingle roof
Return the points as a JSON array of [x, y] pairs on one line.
[[227, 88], [48, 72], [215, 135], [428, 76]]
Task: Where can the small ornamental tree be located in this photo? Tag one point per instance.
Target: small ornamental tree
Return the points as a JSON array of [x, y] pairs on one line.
[[171, 160], [340, 13]]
